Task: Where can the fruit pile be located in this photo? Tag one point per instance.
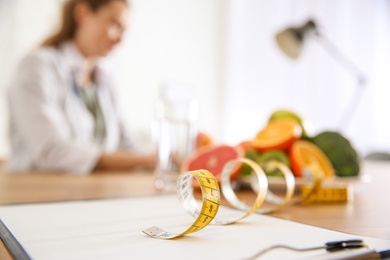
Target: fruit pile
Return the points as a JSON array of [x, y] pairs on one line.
[[283, 139], [286, 140]]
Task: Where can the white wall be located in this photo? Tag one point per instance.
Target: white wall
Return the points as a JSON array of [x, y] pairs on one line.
[[262, 79], [169, 41], [172, 40]]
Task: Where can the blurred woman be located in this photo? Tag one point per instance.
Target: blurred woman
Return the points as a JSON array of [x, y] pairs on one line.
[[64, 114]]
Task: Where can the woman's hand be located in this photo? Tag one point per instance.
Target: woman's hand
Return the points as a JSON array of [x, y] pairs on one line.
[[124, 161]]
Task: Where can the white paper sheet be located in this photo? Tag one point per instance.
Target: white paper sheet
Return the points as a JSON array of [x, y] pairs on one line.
[[111, 229]]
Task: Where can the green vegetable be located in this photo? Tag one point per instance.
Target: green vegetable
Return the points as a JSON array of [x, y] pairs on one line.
[[340, 152], [250, 154], [277, 155]]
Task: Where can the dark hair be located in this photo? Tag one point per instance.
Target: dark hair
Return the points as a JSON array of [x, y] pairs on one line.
[[68, 23]]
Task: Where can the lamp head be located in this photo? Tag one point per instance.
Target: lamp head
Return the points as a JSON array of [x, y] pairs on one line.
[[291, 39]]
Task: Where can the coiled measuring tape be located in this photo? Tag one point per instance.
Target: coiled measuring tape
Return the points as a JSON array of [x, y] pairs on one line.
[[211, 196], [271, 197], [313, 174], [210, 203], [228, 192]]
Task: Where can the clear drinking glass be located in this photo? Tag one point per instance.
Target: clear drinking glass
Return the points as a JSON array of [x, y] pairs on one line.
[[174, 133]]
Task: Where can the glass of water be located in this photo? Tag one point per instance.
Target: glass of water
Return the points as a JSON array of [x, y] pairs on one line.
[[174, 133]]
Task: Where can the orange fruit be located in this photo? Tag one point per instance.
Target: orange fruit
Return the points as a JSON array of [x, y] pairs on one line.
[[278, 134], [246, 145], [203, 140], [306, 154], [213, 159]]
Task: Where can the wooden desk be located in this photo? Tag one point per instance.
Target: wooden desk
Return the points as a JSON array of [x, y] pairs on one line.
[[367, 215]]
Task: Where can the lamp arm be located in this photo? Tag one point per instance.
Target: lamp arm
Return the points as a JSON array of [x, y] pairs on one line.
[[355, 99], [351, 106], [338, 56]]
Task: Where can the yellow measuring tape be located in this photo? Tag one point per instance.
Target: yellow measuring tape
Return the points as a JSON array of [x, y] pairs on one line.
[[211, 196], [271, 197], [227, 190], [210, 203]]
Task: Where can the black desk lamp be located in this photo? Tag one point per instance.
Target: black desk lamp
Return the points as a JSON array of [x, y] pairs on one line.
[[291, 41]]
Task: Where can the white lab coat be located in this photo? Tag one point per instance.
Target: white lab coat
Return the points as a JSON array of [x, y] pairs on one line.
[[50, 127]]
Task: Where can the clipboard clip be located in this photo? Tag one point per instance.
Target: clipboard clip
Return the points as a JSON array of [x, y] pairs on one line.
[[345, 244]]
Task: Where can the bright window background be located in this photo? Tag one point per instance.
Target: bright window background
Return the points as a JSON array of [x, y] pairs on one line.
[[225, 52]]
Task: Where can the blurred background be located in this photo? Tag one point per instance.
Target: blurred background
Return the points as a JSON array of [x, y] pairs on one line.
[[225, 52]]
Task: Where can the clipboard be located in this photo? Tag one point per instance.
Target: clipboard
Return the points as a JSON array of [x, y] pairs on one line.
[[111, 229]]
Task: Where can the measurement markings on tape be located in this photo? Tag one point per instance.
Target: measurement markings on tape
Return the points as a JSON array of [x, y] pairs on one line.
[[210, 203]]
